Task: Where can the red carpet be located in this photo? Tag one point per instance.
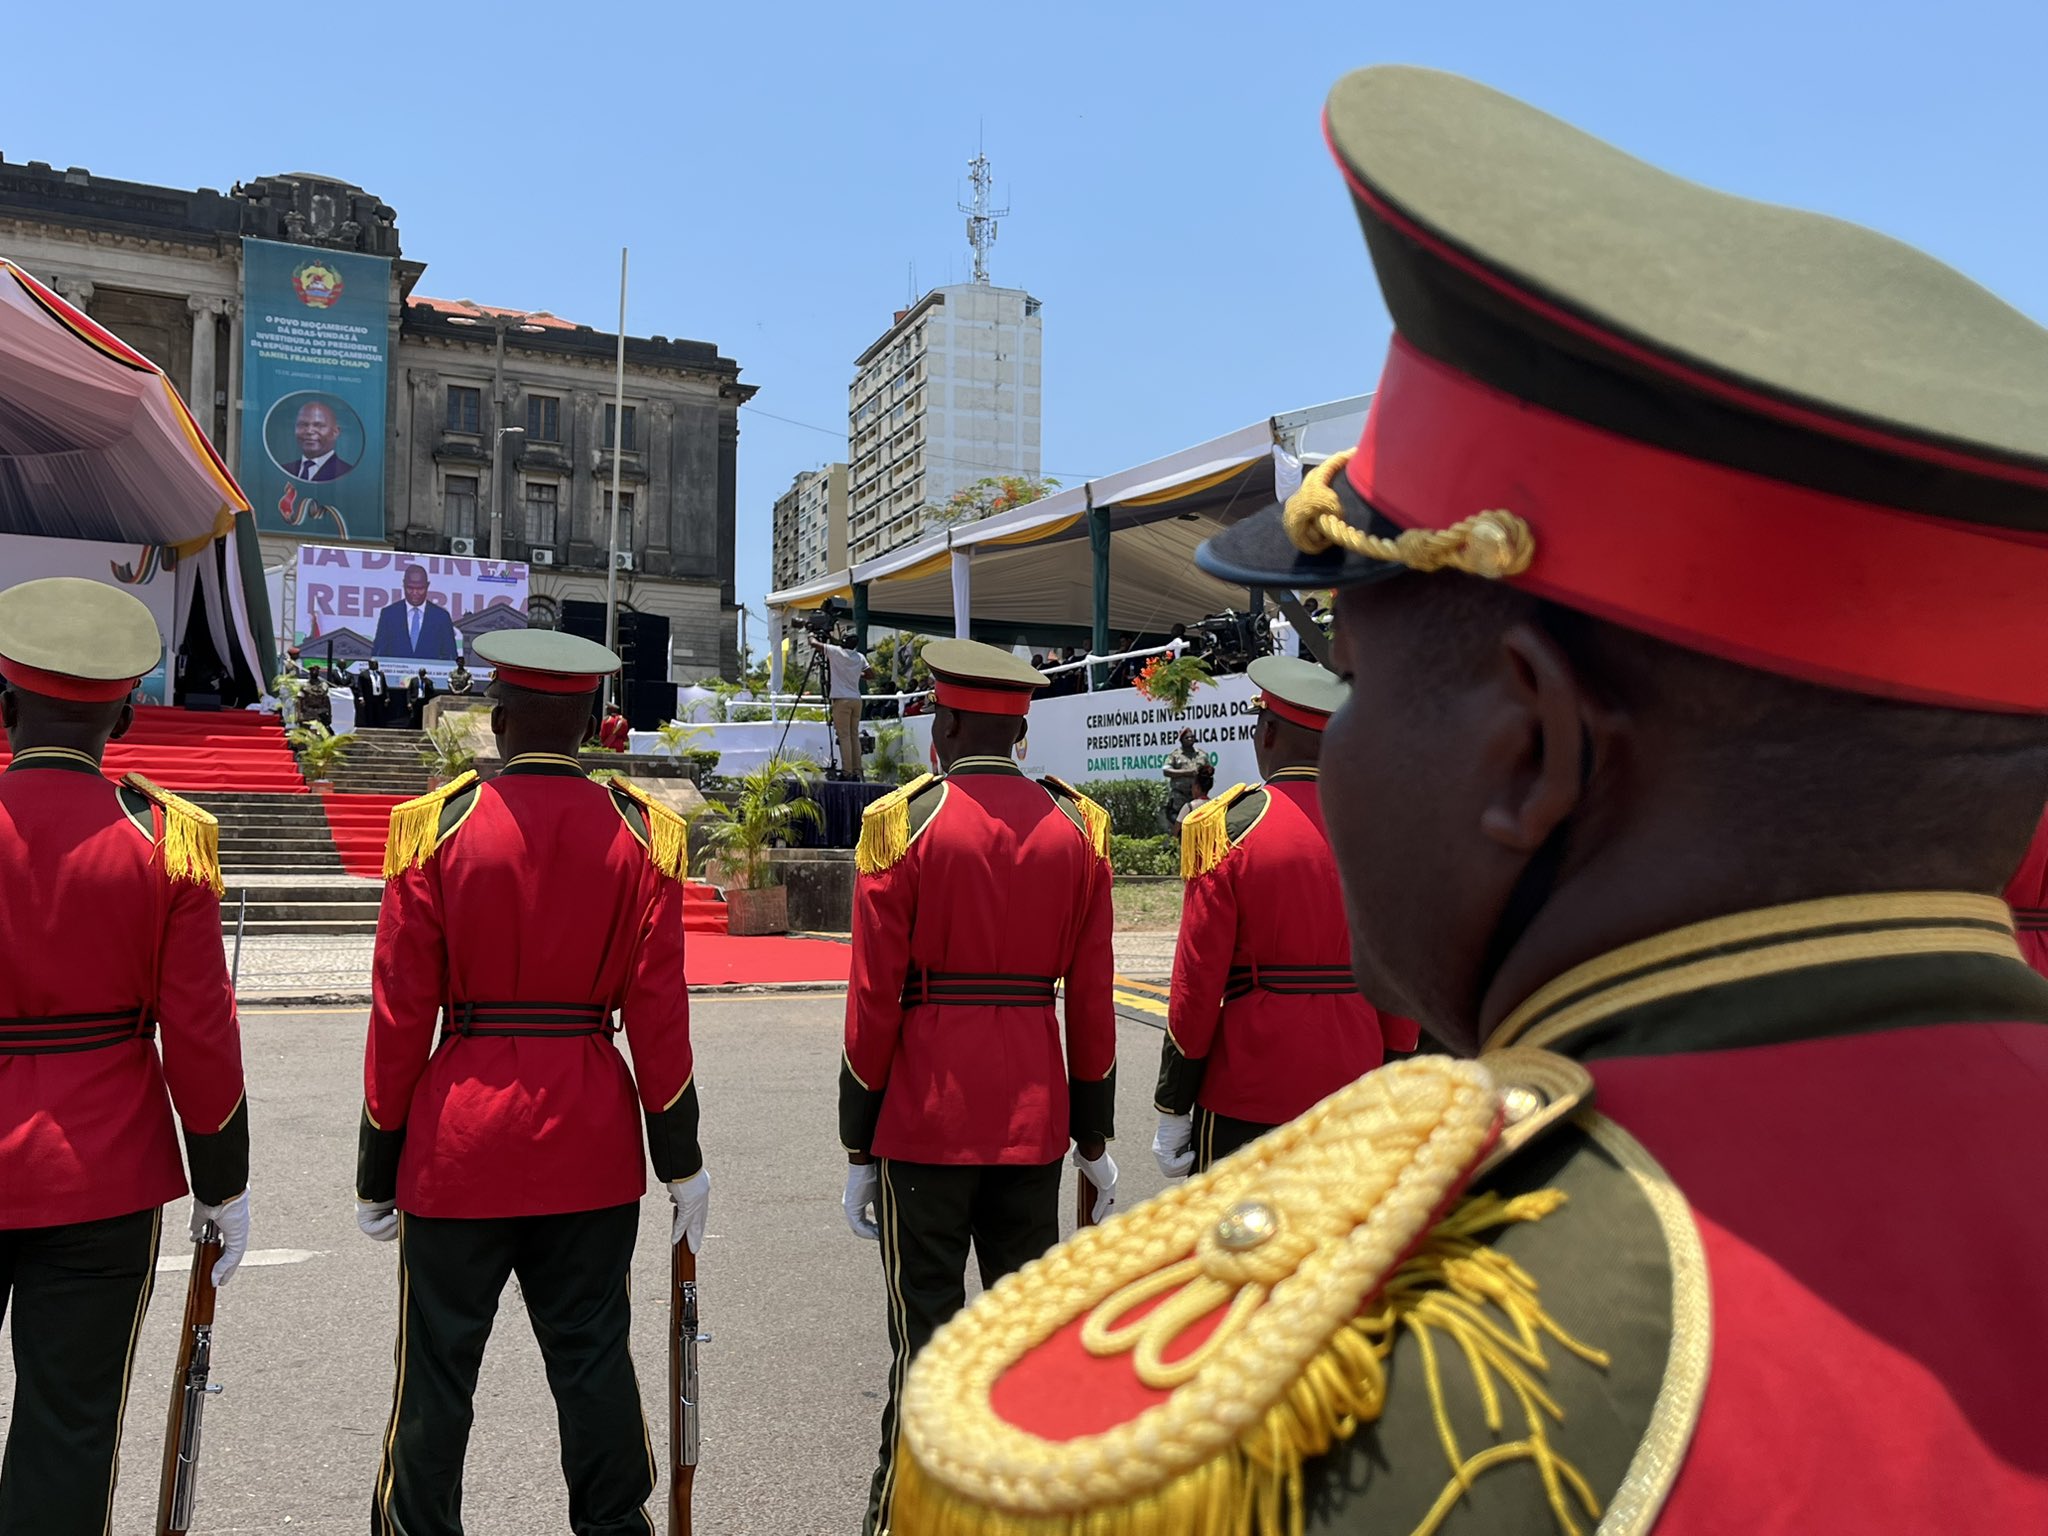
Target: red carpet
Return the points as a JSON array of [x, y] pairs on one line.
[[718, 960], [223, 751], [359, 824]]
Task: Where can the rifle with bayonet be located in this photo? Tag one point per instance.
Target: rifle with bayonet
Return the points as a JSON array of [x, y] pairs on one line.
[[683, 1339], [190, 1387]]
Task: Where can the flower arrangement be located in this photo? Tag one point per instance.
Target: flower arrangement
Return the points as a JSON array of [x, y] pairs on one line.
[[1172, 681]]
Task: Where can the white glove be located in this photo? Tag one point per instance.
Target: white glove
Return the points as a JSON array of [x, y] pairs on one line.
[[693, 1207], [1173, 1144], [863, 1189], [378, 1219], [1102, 1174], [233, 1221]]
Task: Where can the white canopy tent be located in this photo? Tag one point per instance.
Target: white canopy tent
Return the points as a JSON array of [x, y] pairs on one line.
[[1112, 556]]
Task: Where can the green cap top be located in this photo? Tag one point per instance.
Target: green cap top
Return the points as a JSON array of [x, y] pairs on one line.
[[76, 639], [1299, 690], [546, 660]]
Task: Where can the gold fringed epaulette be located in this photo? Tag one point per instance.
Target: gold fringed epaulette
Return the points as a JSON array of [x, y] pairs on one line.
[[1094, 819], [885, 828], [1205, 835], [668, 835], [191, 835], [416, 827], [1252, 1313]]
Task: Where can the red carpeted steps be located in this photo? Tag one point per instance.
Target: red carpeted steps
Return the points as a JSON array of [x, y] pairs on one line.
[[217, 751], [358, 825], [703, 908]]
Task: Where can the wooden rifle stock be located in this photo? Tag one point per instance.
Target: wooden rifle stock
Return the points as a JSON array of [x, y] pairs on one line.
[[190, 1387], [1084, 1200], [683, 1339]]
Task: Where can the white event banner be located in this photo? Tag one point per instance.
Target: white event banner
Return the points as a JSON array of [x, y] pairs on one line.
[[141, 570], [1121, 734]]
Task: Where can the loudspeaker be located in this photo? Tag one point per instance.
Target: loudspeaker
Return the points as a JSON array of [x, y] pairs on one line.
[[649, 704], [583, 619], [643, 645]]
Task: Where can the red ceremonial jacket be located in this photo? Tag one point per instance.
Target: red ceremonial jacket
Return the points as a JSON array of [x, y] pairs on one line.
[[535, 909], [111, 934], [991, 887], [2027, 895], [1263, 1013]]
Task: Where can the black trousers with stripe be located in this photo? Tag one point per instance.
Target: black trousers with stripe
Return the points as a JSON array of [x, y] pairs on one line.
[[573, 1273], [77, 1294], [930, 1213], [1217, 1136]]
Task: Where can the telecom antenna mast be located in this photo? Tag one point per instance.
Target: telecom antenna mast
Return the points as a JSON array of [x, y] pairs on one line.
[[981, 218]]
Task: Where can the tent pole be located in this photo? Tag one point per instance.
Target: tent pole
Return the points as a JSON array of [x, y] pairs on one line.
[[860, 616], [1098, 545]]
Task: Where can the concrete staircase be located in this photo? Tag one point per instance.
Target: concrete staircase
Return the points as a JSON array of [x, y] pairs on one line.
[[276, 851], [383, 763]]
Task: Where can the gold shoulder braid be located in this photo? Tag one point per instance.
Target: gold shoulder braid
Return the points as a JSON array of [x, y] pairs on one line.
[[191, 836], [1491, 544], [1094, 819], [668, 835], [1171, 1370], [416, 826], [885, 828], [1204, 839]]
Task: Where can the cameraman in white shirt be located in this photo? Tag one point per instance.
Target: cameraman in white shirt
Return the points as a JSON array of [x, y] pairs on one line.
[[844, 669]]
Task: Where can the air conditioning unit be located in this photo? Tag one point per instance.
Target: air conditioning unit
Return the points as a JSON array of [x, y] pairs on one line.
[[542, 556], [622, 560], [463, 547]]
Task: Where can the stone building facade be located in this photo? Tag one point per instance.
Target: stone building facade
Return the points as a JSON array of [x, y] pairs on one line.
[[161, 267]]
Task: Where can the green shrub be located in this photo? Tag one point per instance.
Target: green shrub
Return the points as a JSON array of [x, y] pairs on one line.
[[1144, 855], [1136, 806]]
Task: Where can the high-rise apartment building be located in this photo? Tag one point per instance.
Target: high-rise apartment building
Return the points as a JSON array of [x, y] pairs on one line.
[[948, 395], [810, 527]]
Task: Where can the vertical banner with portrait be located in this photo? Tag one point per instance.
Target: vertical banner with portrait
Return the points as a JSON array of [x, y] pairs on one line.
[[315, 349]]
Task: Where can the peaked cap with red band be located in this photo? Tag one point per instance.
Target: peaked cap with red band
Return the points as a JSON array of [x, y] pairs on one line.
[[545, 660], [70, 638], [1759, 433], [1298, 691], [981, 679]]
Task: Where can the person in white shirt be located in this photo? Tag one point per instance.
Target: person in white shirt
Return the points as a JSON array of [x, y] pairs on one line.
[[844, 668]]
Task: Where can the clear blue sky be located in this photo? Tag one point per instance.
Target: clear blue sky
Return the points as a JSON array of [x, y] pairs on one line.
[[778, 168]]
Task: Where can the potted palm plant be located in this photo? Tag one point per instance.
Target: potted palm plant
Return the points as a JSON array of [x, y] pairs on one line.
[[767, 806], [321, 751], [445, 752]]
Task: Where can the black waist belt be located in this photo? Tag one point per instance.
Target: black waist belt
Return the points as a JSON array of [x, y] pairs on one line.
[[2030, 919], [54, 1034], [1289, 980], [569, 1020], [978, 989]]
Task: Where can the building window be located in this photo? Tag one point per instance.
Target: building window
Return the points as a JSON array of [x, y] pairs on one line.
[[544, 418], [625, 516], [632, 441], [465, 408], [541, 505], [458, 504]]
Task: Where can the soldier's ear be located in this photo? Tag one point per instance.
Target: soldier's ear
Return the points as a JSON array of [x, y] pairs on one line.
[[121, 722], [10, 709], [1536, 752]]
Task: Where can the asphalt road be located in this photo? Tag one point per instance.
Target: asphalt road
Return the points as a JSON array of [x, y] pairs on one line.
[[792, 1379]]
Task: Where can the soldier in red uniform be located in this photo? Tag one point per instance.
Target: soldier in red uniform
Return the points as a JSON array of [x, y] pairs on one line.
[[1690, 573], [1265, 1017], [519, 916], [2027, 894], [979, 892], [109, 933]]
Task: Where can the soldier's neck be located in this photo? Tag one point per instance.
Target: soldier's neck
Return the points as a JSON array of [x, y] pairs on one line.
[[520, 744], [24, 739], [1673, 874]]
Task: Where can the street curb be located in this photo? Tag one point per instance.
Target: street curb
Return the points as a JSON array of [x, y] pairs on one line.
[[261, 1002]]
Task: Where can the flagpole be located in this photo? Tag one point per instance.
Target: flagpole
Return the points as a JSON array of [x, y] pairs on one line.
[[611, 562]]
